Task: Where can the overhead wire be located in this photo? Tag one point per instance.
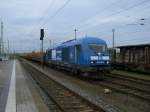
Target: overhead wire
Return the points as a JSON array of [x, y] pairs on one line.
[[126, 9], [52, 16], [43, 15], [47, 11], [116, 13], [124, 25], [100, 12], [136, 23], [129, 8], [61, 8]]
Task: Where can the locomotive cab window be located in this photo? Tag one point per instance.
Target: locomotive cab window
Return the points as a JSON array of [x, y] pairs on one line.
[[97, 47]]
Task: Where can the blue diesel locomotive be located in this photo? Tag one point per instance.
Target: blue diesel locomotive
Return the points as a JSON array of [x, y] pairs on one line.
[[87, 56]]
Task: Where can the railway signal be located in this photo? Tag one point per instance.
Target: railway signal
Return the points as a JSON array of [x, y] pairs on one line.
[[42, 34], [41, 38]]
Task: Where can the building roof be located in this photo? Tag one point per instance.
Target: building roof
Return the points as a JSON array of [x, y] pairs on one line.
[[135, 45]]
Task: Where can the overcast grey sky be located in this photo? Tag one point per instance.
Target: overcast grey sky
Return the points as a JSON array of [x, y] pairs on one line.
[[23, 19]]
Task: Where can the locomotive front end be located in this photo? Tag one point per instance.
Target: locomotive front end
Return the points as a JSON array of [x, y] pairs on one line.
[[98, 58], [99, 55]]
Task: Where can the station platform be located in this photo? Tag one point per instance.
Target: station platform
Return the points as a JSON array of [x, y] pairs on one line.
[[17, 91]]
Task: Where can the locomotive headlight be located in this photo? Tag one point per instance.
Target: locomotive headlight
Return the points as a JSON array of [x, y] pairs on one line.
[[105, 57], [99, 53], [94, 57], [107, 62]]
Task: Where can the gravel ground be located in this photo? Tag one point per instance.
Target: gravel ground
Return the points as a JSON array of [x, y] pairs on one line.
[[113, 102]]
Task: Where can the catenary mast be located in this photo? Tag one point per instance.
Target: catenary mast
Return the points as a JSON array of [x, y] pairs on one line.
[[1, 40]]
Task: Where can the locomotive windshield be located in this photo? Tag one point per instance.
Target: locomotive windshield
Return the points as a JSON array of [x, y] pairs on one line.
[[97, 47]]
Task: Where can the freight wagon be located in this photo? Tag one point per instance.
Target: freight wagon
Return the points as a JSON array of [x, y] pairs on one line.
[[134, 57]]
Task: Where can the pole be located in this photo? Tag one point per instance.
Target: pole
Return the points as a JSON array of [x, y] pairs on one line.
[[113, 41], [8, 49], [113, 45], [75, 31], [42, 53], [1, 39], [50, 43], [14, 54]]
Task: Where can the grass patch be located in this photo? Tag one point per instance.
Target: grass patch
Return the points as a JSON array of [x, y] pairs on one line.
[[132, 74]]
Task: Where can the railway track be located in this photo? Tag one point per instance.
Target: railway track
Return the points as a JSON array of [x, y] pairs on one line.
[[127, 86], [129, 78], [126, 90], [65, 99]]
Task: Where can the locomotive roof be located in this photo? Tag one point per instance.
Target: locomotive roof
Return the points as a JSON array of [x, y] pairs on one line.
[[84, 40]]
